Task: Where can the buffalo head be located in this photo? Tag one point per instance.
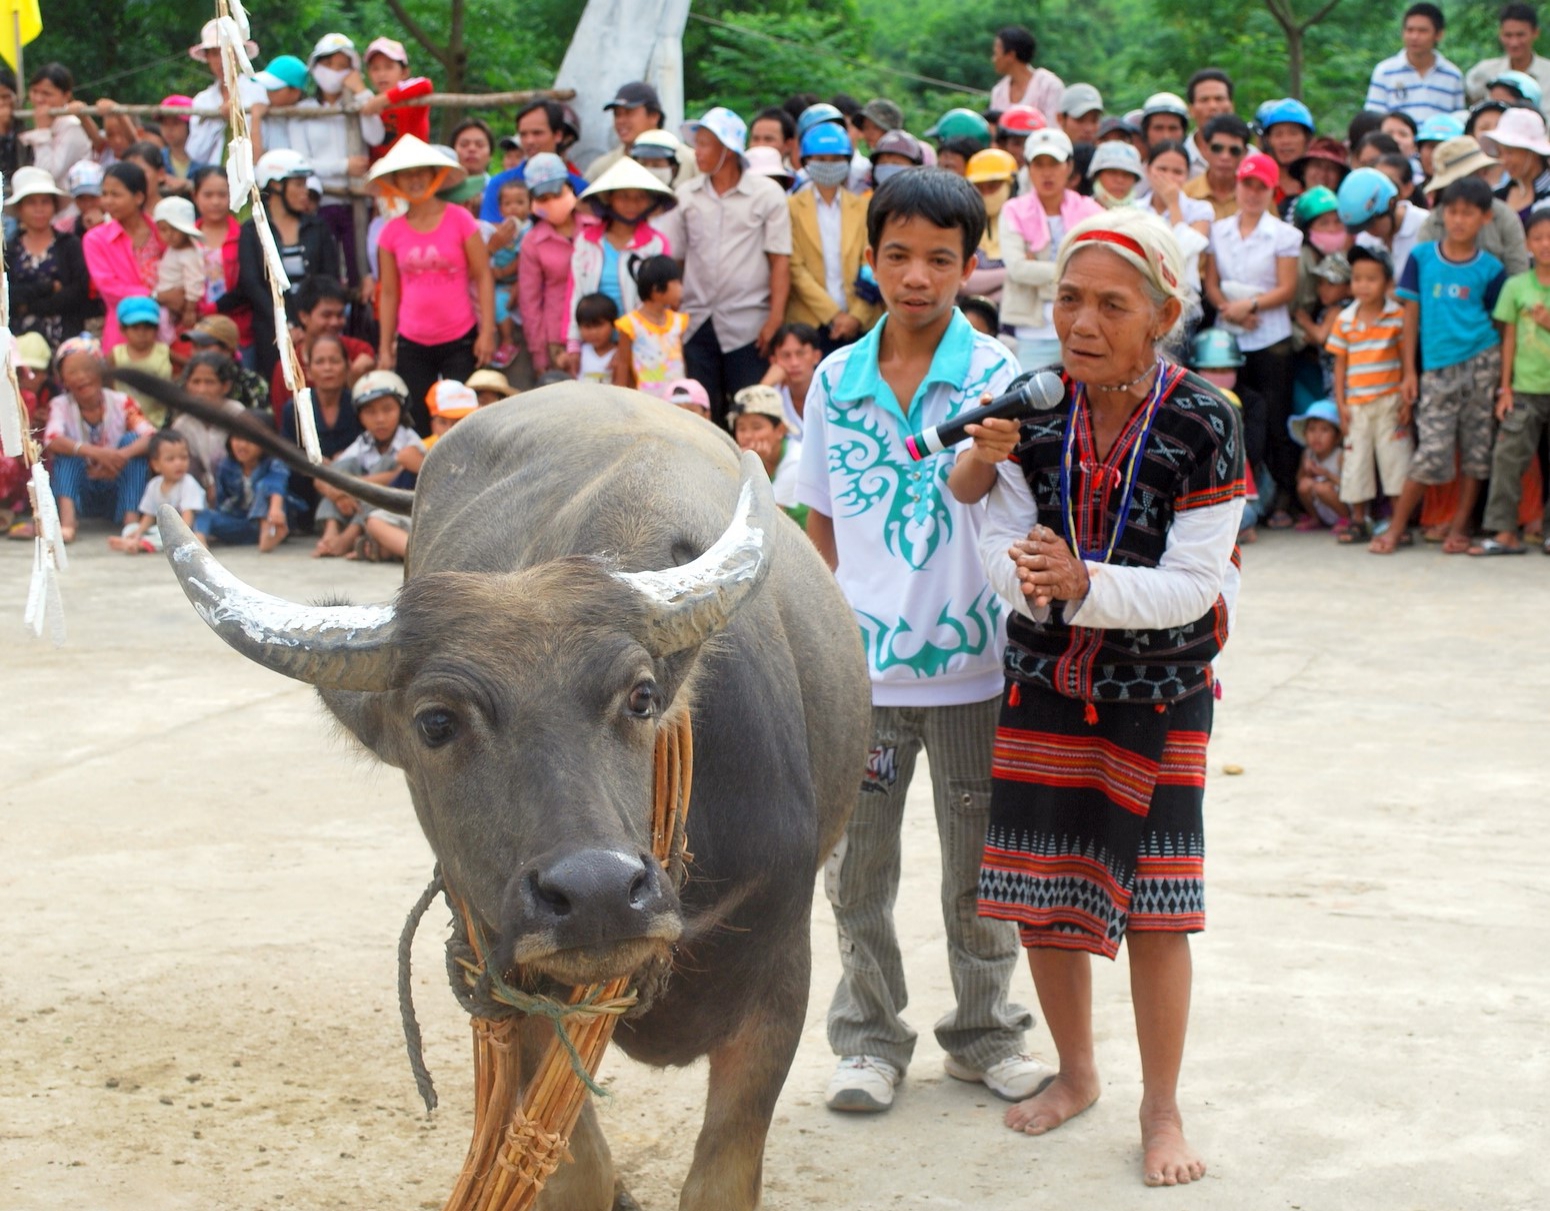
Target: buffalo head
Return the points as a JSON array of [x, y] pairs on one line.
[[523, 708]]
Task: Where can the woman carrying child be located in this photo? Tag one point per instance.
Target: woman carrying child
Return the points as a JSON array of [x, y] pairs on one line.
[[433, 264], [622, 201]]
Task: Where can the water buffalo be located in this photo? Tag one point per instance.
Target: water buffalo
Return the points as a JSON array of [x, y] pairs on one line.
[[572, 580]]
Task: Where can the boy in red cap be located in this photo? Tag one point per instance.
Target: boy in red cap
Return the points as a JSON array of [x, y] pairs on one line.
[[387, 64]]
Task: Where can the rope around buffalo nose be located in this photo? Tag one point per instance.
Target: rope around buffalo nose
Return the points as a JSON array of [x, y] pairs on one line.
[[520, 1141]]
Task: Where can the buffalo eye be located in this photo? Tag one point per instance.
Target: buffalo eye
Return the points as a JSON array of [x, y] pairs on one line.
[[643, 700], [436, 726]]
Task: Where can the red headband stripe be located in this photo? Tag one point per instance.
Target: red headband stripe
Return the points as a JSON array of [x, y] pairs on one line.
[[1129, 245]]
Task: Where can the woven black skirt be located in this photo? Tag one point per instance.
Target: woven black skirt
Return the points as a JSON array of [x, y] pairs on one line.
[[1096, 821]]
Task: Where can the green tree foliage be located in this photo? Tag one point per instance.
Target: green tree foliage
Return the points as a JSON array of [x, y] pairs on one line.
[[134, 50]]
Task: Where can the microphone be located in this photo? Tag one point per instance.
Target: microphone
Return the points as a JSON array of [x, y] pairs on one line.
[[1033, 391]]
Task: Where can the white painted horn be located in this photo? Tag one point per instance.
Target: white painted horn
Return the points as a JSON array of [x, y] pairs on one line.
[[698, 599], [331, 647]]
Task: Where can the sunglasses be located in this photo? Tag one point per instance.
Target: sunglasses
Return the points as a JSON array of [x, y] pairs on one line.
[[1231, 149]]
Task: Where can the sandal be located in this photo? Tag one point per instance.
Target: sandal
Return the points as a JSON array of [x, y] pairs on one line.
[[1280, 520], [22, 531], [1307, 523], [1491, 546], [1354, 532]]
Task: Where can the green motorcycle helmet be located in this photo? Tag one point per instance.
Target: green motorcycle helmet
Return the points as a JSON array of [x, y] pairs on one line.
[[1215, 349], [1319, 200], [961, 124]]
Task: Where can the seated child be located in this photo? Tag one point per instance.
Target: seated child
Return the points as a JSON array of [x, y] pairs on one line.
[[1366, 343], [690, 395], [209, 375], [386, 535], [595, 317], [1318, 475], [1523, 396], [651, 340], [757, 419], [139, 317], [385, 452], [490, 387], [251, 497], [171, 484], [180, 275], [448, 401], [505, 245]]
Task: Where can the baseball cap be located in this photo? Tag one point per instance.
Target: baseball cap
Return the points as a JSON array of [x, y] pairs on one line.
[[137, 309], [283, 71], [177, 101], [388, 49], [759, 400], [32, 351], [1260, 167], [215, 330], [1378, 256], [884, 112], [687, 392], [1116, 155], [450, 398], [332, 44], [545, 174], [1048, 142], [510, 143], [1335, 268], [899, 143], [634, 95], [177, 213], [730, 131], [84, 179], [1116, 126], [1079, 99]]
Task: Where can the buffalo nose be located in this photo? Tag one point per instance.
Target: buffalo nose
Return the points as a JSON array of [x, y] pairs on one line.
[[594, 896]]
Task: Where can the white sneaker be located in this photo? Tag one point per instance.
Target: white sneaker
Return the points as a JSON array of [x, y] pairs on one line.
[[1015, 1078], [863, 1083]]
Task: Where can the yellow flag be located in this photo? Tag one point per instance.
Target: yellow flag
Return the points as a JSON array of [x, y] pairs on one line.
[[14, 14]]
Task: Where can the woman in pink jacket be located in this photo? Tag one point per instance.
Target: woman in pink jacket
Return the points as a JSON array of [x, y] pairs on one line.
[[122, 254], [623, 201], [543, 273], [1032, 227]]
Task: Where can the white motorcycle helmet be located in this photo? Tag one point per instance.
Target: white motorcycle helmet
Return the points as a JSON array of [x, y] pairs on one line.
[[280, 164]]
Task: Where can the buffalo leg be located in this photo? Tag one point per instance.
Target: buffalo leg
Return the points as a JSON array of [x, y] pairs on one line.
[[746, 1076]]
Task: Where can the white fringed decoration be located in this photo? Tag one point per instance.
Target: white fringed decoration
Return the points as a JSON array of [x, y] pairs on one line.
[[44, 606], [234, 28]]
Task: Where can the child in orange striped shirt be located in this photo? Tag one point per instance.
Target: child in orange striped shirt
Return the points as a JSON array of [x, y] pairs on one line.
[[1369, 364]]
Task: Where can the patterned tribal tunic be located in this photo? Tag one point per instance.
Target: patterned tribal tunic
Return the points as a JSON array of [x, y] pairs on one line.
[[1096, 818]]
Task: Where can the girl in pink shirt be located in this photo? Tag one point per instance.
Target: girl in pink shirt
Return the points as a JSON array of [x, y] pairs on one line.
[[437, 306]]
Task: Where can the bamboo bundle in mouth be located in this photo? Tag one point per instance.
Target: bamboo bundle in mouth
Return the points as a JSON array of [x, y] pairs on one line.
[[521, 1136]]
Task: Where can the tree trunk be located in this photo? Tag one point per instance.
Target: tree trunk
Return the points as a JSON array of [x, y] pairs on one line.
[[1294, 61]]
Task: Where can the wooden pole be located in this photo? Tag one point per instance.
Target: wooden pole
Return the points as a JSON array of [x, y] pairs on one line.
[[434, 101], [355, 145]]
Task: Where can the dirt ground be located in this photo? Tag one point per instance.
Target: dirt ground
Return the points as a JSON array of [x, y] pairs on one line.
[[203, 888]]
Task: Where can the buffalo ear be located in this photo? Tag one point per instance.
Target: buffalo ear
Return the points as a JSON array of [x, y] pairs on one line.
[[364, 715]]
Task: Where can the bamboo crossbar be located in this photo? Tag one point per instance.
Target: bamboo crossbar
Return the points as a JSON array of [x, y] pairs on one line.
[[434, 101]]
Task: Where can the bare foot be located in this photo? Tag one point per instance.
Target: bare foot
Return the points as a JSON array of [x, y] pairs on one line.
[[66, 532], [1063, 1098], [1169, 1160], [1384, 544], [271, 535]]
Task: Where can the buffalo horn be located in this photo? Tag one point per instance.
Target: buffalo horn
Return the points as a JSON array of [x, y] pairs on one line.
[[331, 647], [698, 599]]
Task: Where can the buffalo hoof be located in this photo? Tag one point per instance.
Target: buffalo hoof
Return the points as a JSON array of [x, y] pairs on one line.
[[623, 1201]]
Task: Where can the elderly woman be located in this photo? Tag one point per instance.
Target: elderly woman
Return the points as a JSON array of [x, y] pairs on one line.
[[96, 440], [1112, 536]]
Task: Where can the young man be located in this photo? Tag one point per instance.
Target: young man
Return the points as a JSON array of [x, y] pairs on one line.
[[904, 552], [828, 241], [207, 136], [797, 354], [635, 109], [540, 129], [1080, 113], [1450, 288], [1209, 95], [1227, 142], [736, 253], [1418, 81], [1517, 30], [1164, 117], [1021, 83], [321, 305]]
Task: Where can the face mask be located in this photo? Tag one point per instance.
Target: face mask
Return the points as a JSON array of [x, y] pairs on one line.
[[557, 209], [1329, 241], [885, 171], [330, 79], [1107, 200], [664, 174], [830, 173], [997, 200]]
